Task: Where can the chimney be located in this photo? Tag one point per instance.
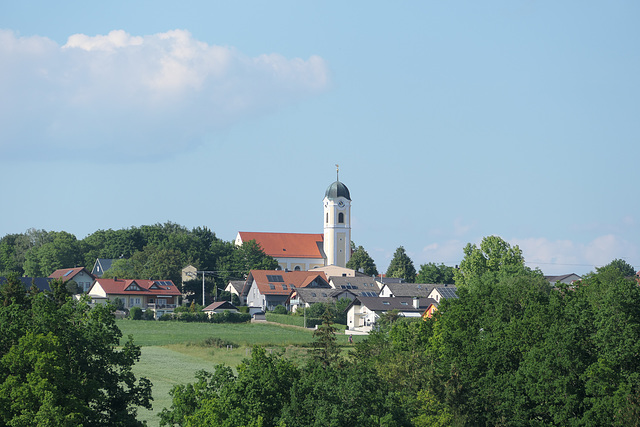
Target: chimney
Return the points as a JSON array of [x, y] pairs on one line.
[[416, 302]]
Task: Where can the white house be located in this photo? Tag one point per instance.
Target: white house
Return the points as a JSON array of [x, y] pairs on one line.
[[363, 312]]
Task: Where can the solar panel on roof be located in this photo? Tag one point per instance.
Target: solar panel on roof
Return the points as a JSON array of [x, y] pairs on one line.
[[447, 293], [274, 278]]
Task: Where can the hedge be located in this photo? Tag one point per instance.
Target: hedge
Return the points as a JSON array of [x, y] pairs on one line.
[[224, 317]]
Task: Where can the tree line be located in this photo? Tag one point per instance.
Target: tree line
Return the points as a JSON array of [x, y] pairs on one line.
[[157, 251], [511, 350]]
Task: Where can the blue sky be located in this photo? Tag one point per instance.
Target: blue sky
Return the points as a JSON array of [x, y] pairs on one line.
[[450, 121]]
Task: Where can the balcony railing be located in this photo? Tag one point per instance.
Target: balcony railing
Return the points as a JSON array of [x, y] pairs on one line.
[[153, 306]]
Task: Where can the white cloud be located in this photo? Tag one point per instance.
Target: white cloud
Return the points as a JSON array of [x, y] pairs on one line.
[[565, 256], [123, 96]]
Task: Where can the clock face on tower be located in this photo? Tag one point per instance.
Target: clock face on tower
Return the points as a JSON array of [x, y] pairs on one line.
[[341, 204]]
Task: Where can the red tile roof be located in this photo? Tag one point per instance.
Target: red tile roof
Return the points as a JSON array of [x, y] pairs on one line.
[[287, 245], [68, 273], [147, 287], [297, 279]]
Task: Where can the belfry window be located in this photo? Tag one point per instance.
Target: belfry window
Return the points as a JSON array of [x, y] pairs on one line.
[[327, 220], [341, 218]]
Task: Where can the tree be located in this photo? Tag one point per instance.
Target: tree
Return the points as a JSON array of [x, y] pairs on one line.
[[361, 261], [250, 256], [537, 354], [401, 266], [436, 274], [325, 347], [494, 256], [60, 251], [254, 398], [621, 265], [66, 365]]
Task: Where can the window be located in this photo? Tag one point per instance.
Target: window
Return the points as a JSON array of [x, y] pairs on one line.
[[327, 220], [313, 294], [324, 295], [284, 287], [297, 268], [340, 218], [385, 302], [272, 286]]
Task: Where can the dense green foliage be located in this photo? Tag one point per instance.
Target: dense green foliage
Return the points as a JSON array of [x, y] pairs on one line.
[[157, 251], [432, 273], [494, 259], [272, 391], [361, 261], [61, 364], [401, 266], [511, 350]]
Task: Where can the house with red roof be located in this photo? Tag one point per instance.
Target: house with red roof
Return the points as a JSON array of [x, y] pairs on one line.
[[266, 289], [80, 275], [160, 296], [293, 251]]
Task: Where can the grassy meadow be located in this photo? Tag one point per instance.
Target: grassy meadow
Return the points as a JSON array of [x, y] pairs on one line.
[[173, 351]]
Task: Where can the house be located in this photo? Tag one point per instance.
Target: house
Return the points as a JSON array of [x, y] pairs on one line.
[[189, 273], [420, 290], [361, 285], [440, 292], [100, 266], [220, 307], [363, 312], [234, 287], [564, 278], [293, 251], [304, 297], [160, 296], [428, 313], [80, 275], [265, 289], [42, 283]]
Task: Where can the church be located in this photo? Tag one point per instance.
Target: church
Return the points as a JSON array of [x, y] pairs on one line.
[[301, 251]]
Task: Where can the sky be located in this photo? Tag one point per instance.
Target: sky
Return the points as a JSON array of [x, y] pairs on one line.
[[450, 121]]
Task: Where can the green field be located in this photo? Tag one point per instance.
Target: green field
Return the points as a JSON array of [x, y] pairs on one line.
[[173, 351]]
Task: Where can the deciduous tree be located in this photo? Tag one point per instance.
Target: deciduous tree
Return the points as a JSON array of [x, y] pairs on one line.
[[361, 261], [432, 273]]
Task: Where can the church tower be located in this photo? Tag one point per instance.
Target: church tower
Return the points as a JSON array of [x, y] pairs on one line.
[[337, 224]]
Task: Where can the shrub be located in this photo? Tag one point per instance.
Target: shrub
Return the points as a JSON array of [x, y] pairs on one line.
[[118, 303], [149, 315], [135, 313], [230, 317], [280, 309], [217, 343]]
